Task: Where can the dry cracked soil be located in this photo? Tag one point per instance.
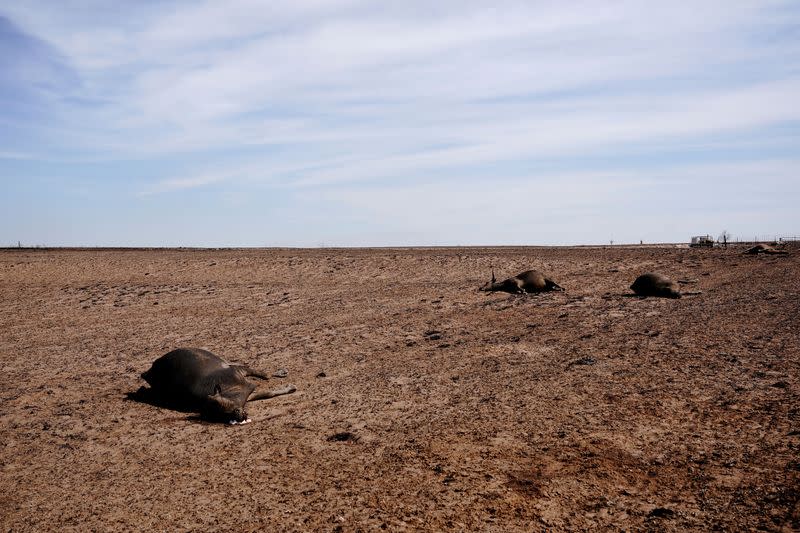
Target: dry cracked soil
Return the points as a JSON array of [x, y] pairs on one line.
[[422, 403]]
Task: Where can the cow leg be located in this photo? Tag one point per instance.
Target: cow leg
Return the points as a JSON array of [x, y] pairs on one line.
[[251, 372], [263, 395]]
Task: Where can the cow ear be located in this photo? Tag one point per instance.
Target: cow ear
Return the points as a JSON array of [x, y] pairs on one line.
[[217, 390]]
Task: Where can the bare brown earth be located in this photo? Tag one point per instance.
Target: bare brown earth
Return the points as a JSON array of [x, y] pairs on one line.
[[422, 404]]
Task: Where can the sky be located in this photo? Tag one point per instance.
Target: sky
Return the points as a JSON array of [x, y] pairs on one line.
[[363, 123]]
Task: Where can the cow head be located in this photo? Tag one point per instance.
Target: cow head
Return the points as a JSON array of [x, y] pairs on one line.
[[220, 408]]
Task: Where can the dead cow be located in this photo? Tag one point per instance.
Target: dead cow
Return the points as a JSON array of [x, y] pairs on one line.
[[528, 281], [764, 249], [200, 381], [652, 284]]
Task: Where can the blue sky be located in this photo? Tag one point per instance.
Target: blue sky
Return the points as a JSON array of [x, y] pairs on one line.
[[355, 123]]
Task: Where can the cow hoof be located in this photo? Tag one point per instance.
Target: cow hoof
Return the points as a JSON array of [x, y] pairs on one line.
[[243, 422]]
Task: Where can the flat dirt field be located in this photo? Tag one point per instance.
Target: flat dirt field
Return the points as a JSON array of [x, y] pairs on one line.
[[421, 404]]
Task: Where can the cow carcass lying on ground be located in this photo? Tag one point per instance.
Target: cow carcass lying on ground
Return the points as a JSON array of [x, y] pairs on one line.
[[197, 380]]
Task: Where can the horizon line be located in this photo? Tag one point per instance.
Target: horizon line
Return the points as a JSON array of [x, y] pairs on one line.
[[386, 247]]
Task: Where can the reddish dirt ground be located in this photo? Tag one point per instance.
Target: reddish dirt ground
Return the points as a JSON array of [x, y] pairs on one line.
[[454, 409]]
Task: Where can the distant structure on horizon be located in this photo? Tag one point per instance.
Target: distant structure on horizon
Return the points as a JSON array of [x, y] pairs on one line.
[[700, 241]]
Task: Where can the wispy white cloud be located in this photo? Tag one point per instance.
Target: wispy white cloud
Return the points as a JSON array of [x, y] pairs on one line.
[[549, 131], [16, 155], [178, 184], [572, 208]]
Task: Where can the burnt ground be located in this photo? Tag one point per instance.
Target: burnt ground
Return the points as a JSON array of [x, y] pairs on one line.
[[422, 403]]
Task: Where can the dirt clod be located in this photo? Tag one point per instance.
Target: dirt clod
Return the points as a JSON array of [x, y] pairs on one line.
[[344, 436]]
